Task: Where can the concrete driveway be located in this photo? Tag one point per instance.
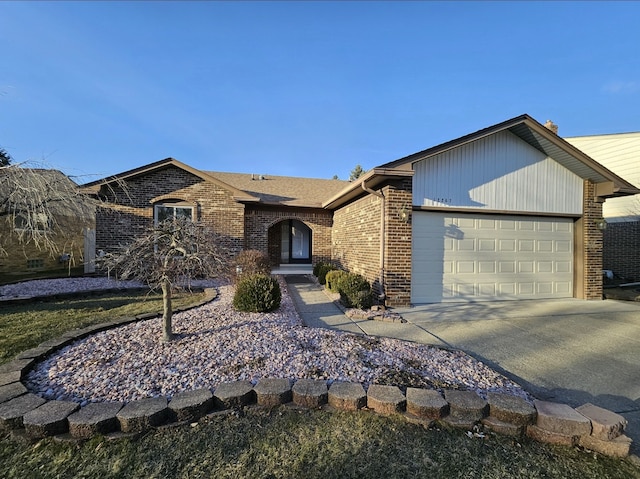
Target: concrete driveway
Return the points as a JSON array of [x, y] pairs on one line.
[[569, 351]]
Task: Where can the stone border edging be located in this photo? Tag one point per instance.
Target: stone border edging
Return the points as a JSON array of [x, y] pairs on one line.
[[27, 415]]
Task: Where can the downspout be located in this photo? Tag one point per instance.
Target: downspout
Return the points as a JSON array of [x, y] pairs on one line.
[[382, 236]]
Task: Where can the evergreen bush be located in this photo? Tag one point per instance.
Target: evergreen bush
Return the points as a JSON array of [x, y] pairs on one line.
[[322, 272], [317, 266], [333, 278], [355, 291], [257, 293]]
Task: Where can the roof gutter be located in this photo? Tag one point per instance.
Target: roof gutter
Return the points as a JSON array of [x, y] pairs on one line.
[[351, 191], [383, 230]]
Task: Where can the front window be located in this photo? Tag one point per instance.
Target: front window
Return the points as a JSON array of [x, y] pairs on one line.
[[165, 211]]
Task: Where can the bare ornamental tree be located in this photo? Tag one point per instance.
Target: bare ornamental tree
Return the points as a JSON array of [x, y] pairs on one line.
[[39, 206], [169, 255]]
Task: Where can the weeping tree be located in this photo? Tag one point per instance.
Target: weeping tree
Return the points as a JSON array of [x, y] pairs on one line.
[[170, 255], [39, 206]]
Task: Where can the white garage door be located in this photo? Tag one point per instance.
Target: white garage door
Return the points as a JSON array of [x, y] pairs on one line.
[[468, 257]]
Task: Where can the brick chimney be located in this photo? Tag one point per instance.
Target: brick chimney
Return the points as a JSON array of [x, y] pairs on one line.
[[551, 126]]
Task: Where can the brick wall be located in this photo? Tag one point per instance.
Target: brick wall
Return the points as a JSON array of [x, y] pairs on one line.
[[262, 229], [622, 250], [356, 238], [591, 244], [19, 257], [128, 210], [356, 241], [398, 243]]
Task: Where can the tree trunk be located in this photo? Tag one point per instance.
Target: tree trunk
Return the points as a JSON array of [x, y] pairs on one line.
[[167, 333]]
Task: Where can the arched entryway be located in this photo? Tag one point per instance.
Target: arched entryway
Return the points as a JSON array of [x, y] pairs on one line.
[[290, 242]]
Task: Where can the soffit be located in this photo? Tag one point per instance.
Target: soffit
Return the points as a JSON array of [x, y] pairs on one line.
[[370, 180]]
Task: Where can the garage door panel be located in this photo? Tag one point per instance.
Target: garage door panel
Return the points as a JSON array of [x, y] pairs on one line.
[[545, 246], [507, 245], [488, 267], [468, 257], [545, 287], [545, 266], [526, 289], [487, 289], [485, 244], [506, 290], [507, 224], [487, 224]]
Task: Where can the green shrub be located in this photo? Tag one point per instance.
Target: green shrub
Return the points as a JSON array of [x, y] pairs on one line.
[[333, 278], [322, 272], [257, 293], [317, 266], [355, 291], [250, 262]]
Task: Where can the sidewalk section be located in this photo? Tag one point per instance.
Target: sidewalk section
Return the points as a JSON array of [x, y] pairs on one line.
[[318, 311]]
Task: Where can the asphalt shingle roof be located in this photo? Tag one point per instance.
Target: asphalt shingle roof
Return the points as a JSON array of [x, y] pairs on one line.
[[283, 190]]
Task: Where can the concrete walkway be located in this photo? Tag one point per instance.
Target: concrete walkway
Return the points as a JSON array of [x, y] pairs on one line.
[[570, 351]]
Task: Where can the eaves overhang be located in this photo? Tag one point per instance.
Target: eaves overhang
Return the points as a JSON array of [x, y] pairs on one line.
[[370, 180], [544, 140], [95, 186], [573, 159]]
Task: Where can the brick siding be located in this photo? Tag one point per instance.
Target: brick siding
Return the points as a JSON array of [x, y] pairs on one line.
[[622, 250], [591, 244], [262, 231], [129, 209], [68, 237], [356, 241], [398, 245], [356, 238]]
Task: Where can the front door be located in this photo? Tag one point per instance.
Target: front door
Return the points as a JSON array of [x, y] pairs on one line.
[[295, 246]]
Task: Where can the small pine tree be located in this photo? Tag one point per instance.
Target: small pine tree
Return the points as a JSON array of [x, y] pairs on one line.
[[5, 157], [356, 173]]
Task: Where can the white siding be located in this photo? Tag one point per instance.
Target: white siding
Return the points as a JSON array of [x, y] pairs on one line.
[[621, 154], [500, 172]]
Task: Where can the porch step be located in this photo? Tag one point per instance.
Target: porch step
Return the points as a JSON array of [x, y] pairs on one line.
[[286, 269]]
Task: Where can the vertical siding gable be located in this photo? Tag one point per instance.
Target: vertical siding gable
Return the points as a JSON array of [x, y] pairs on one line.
[[500, 172]]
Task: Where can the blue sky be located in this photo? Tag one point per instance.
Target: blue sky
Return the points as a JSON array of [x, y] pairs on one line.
[[302, 88]]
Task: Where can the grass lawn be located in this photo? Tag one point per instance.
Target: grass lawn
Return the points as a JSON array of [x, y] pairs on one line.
[[7, 278], [279, 443], [24, 326]]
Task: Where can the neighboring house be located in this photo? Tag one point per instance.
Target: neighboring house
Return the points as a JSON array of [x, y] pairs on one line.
[[67, 229], [621, 154], [506, 213]]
